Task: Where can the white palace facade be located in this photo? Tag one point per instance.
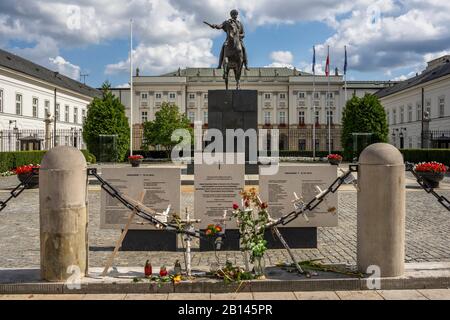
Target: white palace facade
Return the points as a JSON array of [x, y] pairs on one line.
[[285, 100]]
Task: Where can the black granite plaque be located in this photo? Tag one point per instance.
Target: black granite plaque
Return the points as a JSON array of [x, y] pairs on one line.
[[296, 238], [149, 240]]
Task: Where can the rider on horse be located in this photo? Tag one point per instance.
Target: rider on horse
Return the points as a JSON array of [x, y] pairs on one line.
[[230, 26]]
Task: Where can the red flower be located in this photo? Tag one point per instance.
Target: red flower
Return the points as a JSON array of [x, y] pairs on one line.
[[136, 157], [235, 206], [264, 205], [335, 157], [26, 169], [218, 229], [433, 166]]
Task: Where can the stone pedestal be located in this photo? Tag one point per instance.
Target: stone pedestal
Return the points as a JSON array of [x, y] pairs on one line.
[[234, 109]]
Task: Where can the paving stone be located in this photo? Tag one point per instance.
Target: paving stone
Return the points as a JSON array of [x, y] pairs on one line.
[[274, 296], [232, 296], [436, 294], [157, 296], [104, 297], [359, 295], [401, 295], [426, 238], [189, 296], [316, 295]]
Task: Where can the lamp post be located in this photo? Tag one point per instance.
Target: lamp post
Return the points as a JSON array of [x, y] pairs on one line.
[[9, 131]]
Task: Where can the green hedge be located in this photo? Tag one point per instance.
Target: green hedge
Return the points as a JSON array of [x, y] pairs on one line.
[[425, 155], [11, 160]]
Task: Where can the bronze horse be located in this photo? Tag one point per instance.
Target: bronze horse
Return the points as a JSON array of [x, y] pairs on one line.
[[233, 58]]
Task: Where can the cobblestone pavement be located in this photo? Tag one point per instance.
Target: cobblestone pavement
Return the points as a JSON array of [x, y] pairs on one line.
[[423, 294], [427, 239]]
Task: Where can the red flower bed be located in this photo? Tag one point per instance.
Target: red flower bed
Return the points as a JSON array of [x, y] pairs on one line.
[[335, 157], [136, 157], [26, 169], [433, 166]]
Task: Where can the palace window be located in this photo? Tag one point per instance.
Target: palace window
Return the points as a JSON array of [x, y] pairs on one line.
[[158, 95], [35, 107], [282, 96], [267, 96], [205, 96], [301, 144], [1, 100], [394, 116], [318, 117], [46, 108], [57, 112], [402, 114], [301, 117], [330, 95], [282, 117], [316, 95], [419, 112], [441, 107], [172, 95], [329, 117], [205, 117], [388, 117], [66, 114], [191, 96], [19, 104], [144, 116], [301, 95], [191, 116], [267, 117], [410, 113], [144, 96], [83, 115], [75, 115]]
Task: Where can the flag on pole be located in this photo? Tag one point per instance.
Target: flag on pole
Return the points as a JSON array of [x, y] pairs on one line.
[[345, 63], [314, 60], [327, 67]]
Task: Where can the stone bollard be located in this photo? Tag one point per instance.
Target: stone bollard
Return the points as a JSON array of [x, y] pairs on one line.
[[381, 210], [63, 214]]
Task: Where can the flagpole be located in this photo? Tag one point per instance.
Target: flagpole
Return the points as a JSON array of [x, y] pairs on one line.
[[345, 77], [131, 87], [314, 106], [328, 105]]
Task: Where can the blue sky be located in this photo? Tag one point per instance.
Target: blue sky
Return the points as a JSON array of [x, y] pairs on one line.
[[386, 39]]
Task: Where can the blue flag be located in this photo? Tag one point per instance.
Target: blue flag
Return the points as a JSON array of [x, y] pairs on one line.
[[314, 60], [345, 63]]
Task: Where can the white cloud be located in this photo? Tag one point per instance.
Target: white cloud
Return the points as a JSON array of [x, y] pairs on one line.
[[166, 58], [382, 35], [66, 68], [281, 59]]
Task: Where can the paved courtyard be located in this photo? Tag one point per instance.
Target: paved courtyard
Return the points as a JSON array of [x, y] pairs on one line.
[[427, 238]]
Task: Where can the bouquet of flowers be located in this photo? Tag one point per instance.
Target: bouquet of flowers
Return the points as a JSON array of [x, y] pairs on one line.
[[212, 229], [335, 157], [434, 167]]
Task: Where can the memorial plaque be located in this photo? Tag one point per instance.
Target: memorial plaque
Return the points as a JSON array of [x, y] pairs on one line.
[[162, 186], [278, 191], [217, 187]]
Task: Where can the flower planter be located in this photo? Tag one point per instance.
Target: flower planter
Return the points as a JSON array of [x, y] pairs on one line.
[[432, 179], [33, 183], [135, 163], [334, 162]]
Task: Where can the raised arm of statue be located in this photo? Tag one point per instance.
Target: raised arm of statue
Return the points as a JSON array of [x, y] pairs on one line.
[[214, 26]]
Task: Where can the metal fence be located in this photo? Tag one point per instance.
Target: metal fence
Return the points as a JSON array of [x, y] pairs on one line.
[[290, 139], [27, 140]]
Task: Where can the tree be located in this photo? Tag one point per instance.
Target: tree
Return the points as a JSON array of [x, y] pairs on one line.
[[106, 116], [363, 115], [167, 120]]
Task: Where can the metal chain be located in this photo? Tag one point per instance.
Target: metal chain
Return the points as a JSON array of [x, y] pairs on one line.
[[19, 189], [317, 200], [440, 198]]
